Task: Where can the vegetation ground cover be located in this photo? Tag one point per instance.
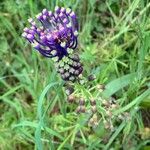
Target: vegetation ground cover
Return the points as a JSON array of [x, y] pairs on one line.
[[114, 42]]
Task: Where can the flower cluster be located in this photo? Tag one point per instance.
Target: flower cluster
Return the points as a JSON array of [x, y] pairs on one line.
[[100, 110], [54, 35]]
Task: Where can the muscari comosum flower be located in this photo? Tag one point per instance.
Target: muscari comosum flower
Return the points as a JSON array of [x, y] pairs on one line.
[[54, 35]]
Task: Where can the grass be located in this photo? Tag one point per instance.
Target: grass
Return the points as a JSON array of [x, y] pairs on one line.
[[114, 45]]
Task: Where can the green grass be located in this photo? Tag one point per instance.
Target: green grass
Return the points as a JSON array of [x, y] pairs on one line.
[[114, 45]]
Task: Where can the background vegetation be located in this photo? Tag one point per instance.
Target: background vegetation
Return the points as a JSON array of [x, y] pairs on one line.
[[114, 44]]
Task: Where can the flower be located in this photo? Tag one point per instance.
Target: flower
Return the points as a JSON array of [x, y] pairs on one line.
[[53, 34]]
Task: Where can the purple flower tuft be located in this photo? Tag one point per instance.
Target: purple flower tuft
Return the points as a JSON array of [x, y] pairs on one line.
[[51, 32], [54, 35]]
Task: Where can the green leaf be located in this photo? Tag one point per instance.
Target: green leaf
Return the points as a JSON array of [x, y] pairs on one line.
[[118, 84]]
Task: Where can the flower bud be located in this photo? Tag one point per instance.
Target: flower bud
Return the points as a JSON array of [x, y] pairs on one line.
[[91, 77], [93, 109], [91, 122], [114, 106], [106, 124], [120, 117], [112, 100], [75, 57], [69, 90], [101, 87], [78, 110], [111, 127], [71, 98], [109, 113], [106, 103], [83, 109], [95, 118], [92, 102], [81, 102]]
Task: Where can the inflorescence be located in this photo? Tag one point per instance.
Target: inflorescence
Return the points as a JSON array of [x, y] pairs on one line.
[[54, 35]]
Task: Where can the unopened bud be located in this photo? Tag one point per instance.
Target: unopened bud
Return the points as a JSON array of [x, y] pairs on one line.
[[106, 124], [109, 113], [78, 110], [72, 78], [61, 70], [114, 106], [105, 103], [81, 82], [111, 127], [93, 109], [95, 117], [91, 121], [91, 77], [120, 117], [75, 57], [112, 100], [69, 90], [71, 98], [83, 109], [92, 102], [82, 101], [101, 87]]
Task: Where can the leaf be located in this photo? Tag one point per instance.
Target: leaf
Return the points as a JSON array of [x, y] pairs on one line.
[[118, 84], [112, 138], [11, 91], [40, 115], [134, 102]]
